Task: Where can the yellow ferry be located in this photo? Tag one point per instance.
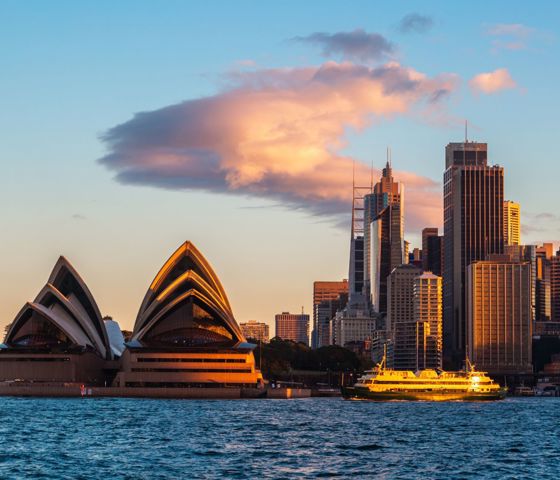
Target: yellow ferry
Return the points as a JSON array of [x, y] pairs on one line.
[[382, 383]]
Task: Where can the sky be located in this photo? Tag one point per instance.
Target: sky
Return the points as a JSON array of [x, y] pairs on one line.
[[127, 128]]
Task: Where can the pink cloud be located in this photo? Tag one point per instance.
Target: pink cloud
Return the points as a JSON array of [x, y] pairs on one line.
[[492, 82], [279, 134]]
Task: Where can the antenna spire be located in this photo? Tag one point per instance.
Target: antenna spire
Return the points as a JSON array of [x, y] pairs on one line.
[[466, 131]]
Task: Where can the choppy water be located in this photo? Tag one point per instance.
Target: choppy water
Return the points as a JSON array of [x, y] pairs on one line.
[[156, 439]]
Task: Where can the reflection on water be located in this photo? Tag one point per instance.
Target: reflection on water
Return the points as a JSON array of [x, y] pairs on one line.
[[131, 439]]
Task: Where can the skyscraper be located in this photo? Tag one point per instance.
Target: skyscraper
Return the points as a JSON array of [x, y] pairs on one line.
[[293, 326], [499, 330], [473, 228], [384, 209], [432, 251], [328, 297], [512, 223]]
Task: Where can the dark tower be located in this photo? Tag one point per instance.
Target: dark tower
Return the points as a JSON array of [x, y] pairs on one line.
[[473, 198]]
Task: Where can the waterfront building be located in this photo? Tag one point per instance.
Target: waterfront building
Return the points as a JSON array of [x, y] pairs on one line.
[[385, 247], [432, 251], [328, 297], [499, 327], [293, 326], [185, 334], [59, 337], [512, 223], [473, 229], [255, 330]]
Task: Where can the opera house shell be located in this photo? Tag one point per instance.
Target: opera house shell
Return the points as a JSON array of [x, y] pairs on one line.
[[185, 333], [60, 336]]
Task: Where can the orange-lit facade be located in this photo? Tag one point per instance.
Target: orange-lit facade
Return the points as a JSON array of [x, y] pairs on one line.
[[254, 330], [292, 326], [473, 203], [185, 334], [512, 223], [499, 326]]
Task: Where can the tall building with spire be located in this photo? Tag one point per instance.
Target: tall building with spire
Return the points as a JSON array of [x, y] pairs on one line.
[[355, 322], [384, 239], [473, 229]]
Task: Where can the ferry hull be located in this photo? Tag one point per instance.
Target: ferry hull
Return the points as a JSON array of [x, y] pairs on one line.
[[446, 396]]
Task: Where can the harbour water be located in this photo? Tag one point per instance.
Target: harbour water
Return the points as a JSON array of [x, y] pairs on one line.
[[308, 438]]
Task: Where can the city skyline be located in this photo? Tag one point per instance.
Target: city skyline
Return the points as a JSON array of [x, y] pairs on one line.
[[56, 134]]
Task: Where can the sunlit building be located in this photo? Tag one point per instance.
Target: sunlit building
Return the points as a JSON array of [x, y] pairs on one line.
[[473, 229], [185, 333], [292, 326], [512, 223], [499, 327], [256, 330], [59, 337], [385, 245], [428, 317], [400, 315]]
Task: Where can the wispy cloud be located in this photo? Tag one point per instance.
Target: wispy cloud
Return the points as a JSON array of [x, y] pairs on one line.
[[509, 36], [416, 23], [356, 45], [492, 82], [278, 134], [79, 216]]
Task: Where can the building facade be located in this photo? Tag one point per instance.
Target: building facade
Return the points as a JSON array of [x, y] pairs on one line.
[[328, 298], [473, 229], [59, 337], [255, 330], [428, 317], [293, 326], [400, 315], [499, 327], [432, 251], [512, 223], [346, 330], [385, 242], [185, 334]]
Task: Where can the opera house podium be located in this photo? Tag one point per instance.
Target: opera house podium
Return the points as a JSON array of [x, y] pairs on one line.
[[185, 335]]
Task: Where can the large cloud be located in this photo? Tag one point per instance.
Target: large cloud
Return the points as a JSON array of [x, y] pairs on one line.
[[279, 134], [356, 45], [492, 82]]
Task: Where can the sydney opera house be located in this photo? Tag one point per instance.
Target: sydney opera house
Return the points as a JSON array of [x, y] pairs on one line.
[[185, 334]]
